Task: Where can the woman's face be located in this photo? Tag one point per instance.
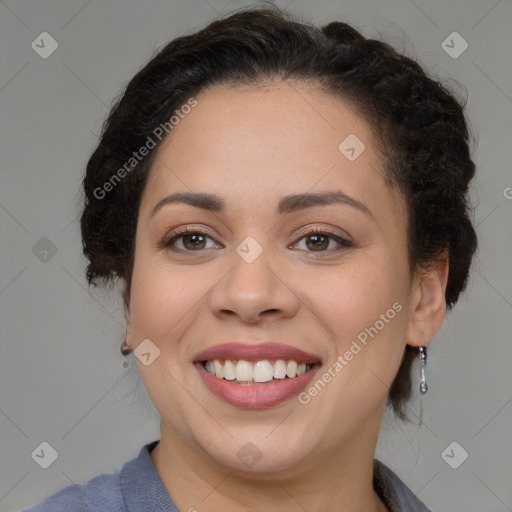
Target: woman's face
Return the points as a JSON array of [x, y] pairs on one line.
[[260, 267]]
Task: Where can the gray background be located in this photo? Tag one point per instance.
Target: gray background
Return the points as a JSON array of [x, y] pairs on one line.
[[62, 377]]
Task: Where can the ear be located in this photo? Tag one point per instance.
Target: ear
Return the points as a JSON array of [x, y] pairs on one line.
[[428, 302]]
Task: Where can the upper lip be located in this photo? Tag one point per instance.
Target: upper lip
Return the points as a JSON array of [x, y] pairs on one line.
[[253, 352]]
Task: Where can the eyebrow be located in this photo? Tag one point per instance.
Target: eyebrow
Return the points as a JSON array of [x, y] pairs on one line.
[[287, 204]]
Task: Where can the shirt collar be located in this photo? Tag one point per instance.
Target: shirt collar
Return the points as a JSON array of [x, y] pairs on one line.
[[393, 492]]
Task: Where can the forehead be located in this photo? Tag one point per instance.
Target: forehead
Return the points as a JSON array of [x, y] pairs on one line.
[[258, 144]]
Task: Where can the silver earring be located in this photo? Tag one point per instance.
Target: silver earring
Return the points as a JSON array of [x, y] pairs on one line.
[[423, 359]]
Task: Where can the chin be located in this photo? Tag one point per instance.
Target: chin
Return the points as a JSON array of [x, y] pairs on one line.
[[253, 455]]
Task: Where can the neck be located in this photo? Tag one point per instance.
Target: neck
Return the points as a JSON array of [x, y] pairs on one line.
[[329, 480]]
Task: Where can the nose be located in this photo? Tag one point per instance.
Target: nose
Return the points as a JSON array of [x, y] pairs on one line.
[[255, 291]]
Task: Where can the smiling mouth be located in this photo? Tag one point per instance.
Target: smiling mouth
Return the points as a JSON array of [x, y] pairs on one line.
[[256, 372]]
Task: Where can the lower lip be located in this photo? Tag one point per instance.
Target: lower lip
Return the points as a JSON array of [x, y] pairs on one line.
[[257, 396]]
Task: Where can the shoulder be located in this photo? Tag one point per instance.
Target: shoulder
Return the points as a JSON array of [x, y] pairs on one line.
[[103, 492], [133, 486], [393, 492]]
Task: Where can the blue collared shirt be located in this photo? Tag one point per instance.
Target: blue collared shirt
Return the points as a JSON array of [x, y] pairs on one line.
[[137, 487]]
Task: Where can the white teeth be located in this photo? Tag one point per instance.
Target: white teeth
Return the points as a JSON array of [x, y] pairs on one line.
[[260, 371], [279, 369], [229, 370], [301, 369], [244, 371], [263, 371], [291, 368], [218, 368]]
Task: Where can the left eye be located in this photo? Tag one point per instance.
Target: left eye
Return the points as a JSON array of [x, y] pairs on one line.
[[319, 241]]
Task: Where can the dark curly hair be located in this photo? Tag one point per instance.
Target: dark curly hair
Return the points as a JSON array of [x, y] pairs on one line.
[[419, 128]]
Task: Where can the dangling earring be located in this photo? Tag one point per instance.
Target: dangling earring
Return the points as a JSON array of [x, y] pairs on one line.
[[423, 359]]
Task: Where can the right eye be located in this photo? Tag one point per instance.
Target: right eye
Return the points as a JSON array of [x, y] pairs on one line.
[[190, 240]]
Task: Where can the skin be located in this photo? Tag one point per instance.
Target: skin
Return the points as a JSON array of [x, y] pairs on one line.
[[252, 146]]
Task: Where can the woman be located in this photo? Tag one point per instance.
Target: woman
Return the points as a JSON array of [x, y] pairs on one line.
[[287, 206]]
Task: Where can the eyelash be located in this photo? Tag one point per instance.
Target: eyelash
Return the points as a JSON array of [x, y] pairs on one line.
[[167, 243]]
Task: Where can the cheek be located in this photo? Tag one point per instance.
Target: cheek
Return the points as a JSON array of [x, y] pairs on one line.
[[355, 297], [160, 298], [366, 311]]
